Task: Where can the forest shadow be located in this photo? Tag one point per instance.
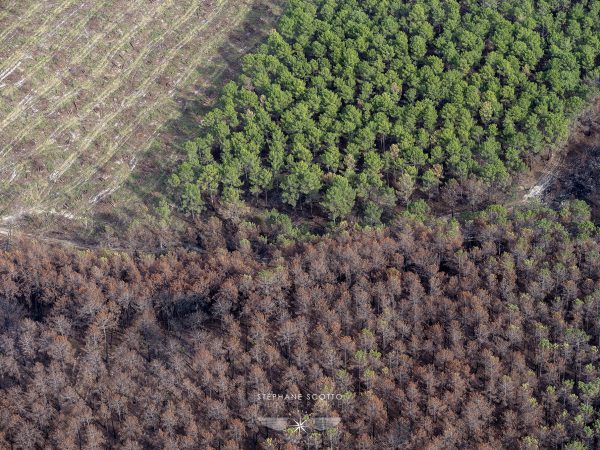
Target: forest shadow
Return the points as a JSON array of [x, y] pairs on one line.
[[149, 181], [576, 178], [199, 98]]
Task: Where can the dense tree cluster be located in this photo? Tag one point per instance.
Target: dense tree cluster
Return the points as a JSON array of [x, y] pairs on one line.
[[355, 106], [483, 335]]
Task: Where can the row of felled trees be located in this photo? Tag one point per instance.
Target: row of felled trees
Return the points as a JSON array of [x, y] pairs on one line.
[[355, 106], [436, 336]]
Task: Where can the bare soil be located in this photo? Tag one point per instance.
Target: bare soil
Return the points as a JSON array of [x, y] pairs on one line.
[[88, 87]]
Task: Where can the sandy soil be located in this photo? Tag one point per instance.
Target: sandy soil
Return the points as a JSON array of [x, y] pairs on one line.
[[87, 86]]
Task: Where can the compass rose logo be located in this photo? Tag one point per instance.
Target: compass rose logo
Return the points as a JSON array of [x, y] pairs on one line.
[[300, 426]]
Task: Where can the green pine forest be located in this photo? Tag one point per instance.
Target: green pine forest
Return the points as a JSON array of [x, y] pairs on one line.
[[354, 109]]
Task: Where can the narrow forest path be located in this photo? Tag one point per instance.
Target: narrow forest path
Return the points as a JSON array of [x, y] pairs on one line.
[[12, 234]]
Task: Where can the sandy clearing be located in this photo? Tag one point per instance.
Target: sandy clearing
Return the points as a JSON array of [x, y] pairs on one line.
[[91, 88]]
